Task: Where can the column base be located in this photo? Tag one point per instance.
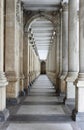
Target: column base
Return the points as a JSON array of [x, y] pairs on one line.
[[12, 101], [63, 82], [70, 101], [77, 116], [4, 115], [26, 91], [22, 93]]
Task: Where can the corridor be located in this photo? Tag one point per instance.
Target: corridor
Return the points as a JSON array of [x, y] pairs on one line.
[[38, 38], [40, 110]]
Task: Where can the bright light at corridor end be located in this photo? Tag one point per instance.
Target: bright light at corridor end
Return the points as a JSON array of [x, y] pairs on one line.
[[43, 54]]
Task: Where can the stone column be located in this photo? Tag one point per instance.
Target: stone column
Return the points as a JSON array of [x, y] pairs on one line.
[[4, 113], [57, 63], [64, 47], [72, 53], [12, 51], [34, 65], [53, 62], [78, 113], [60, 46], [21, 54], [25, 62], [30, 64]]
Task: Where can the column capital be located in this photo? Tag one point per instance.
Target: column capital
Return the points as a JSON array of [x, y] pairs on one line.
[[65, 7]]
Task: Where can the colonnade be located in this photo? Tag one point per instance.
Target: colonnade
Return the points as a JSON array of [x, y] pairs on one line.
[[19, 64], [69, 70]]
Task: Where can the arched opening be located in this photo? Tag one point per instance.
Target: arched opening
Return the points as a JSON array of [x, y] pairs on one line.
[[40, 31], [43, 67]]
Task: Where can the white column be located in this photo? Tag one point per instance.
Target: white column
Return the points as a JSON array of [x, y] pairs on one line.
[[12, 51], [25, 62], [78, 113], [3, 81], [72, 53], [64, 46]]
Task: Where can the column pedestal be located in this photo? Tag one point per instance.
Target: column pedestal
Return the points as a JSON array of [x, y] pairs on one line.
[[4, 113], [70, 88], [12, 88], [78, 112]]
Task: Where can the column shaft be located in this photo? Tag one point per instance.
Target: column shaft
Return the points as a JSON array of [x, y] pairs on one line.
[[21, 54], [72, 52], [78, 113], [64, 47], [25, 62], [3, 81]]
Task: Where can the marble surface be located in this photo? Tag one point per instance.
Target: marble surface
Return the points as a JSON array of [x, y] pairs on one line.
[[41, 99], [43, 112], [40, 126], [42, 90], [41, 109]]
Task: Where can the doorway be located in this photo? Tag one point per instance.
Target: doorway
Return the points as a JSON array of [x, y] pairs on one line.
[[43, 67]]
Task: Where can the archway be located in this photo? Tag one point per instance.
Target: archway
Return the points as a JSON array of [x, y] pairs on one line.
[[40, 28], [43, 67]]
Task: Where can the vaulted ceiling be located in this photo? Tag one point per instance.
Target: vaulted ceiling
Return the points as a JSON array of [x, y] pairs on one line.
[[42, 29]]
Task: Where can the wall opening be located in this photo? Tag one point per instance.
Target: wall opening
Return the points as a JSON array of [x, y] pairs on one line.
[[43, 67]]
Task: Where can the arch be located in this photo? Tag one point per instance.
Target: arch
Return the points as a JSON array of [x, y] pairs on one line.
[[43, 67], [32, 17]]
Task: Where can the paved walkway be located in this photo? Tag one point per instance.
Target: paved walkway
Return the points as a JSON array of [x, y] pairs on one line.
[[41, 110]]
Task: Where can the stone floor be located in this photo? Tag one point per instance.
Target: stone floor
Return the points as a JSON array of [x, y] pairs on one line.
[[41, 110]]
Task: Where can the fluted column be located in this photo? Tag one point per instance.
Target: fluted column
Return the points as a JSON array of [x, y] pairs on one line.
[[3, 81], [72, 53], [78, 113], [64, 46]]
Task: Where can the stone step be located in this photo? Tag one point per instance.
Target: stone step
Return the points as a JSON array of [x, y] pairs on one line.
[[40, 118]]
